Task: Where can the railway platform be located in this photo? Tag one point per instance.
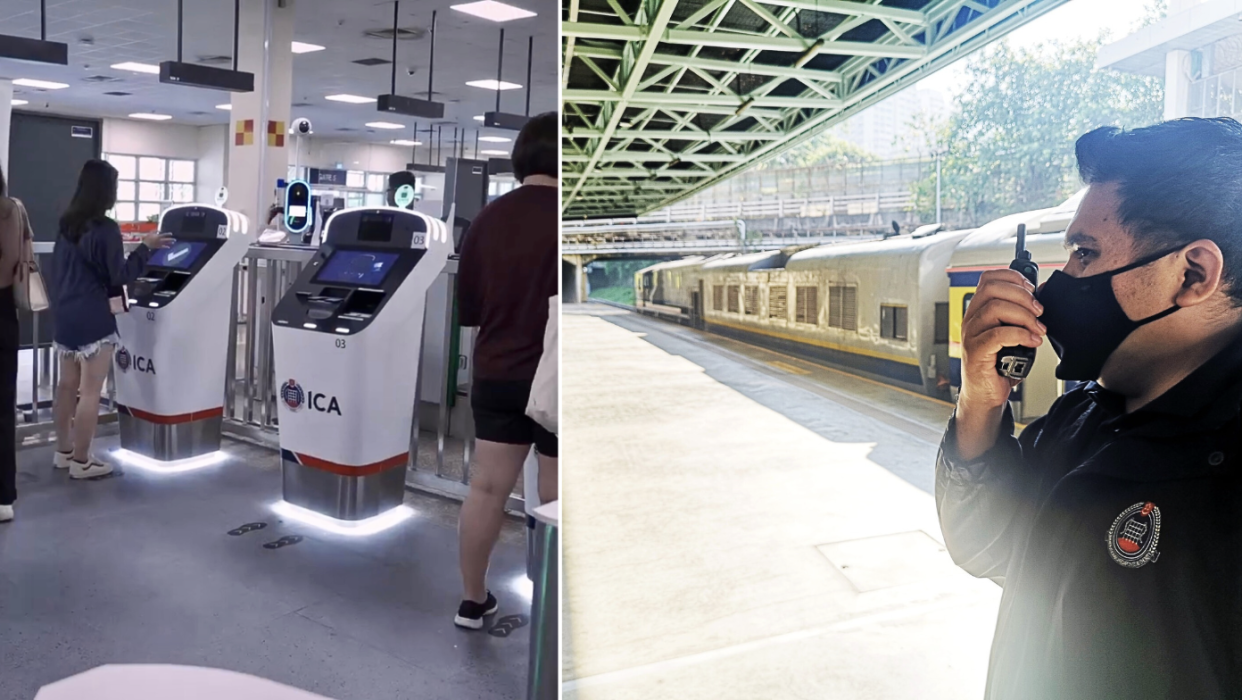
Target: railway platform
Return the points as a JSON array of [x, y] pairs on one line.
[[750, 525]]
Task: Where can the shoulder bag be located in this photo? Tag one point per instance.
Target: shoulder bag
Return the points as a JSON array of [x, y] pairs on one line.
[[29, 290], [543, 406]]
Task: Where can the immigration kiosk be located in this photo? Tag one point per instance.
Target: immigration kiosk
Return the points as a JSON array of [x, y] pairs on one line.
[[170, 366], [347, 338]]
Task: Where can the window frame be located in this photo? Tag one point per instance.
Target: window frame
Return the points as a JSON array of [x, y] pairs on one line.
[[166, 184]]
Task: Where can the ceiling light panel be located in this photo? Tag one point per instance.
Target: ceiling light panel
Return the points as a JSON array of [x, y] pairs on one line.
[[303, 47], [405, 142], [40, 84], [19, 103], [149, 116], [227, 108], [494, 139], [494, 153], [351, 99], [385, 125], [493, 85], [494, 11], [137, 67]]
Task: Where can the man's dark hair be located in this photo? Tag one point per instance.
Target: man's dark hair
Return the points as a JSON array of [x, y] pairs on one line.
[[537, 149], [3, 185], [1179, 181], [96, 194]]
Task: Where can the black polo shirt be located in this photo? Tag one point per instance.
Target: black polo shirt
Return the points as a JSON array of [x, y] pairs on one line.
[[1117, 538]]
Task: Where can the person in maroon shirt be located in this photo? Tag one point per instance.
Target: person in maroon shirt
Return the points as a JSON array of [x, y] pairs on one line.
[[508, 271]]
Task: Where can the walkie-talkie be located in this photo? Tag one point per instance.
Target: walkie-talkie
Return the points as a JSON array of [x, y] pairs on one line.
[[1015, 362]]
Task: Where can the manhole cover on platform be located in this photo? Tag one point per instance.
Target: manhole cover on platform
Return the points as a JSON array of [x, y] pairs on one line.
[[888, 561]]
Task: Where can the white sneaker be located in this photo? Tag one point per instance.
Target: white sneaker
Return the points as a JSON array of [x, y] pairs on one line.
[[61, 460], [6, 513], [88, 470]]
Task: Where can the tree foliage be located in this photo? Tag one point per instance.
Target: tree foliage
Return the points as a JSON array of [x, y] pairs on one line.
[[1008, 144], [824, 149]]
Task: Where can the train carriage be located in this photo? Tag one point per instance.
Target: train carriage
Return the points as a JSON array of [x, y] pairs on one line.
[[875, 307]]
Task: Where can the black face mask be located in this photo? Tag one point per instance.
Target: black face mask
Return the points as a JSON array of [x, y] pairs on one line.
[[1085, 321]]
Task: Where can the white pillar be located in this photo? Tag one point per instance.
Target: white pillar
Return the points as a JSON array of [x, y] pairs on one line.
[[6, 120], [1176, 84], [256, 161]]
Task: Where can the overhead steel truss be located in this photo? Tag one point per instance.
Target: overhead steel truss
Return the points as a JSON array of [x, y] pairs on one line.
[[663, 98]]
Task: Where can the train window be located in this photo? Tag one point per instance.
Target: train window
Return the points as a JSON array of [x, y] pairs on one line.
[[718, 297], [942, 322], [735, 292], [893, 322], [806, 303], [778, 302], [843, 307], [752, 300]]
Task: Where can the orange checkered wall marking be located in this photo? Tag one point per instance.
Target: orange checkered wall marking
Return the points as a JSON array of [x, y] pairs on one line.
[[244, 135]]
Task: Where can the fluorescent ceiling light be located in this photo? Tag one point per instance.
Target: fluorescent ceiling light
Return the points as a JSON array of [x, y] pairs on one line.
[[19, 103], [137, 67], [493, 85], [41, 84], [226, 108], [355, 528], [479, 118], [385, 125], [152, 117], [494, 153], [302, 47], [405, 142], [352, 99], [173, 467], [495, 11], [494, 139]]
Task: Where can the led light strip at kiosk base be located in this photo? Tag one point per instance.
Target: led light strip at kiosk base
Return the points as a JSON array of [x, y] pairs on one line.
[[347, 337], [170, 367]]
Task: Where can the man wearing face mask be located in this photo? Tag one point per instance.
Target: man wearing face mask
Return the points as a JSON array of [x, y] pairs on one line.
[[1114, 523]]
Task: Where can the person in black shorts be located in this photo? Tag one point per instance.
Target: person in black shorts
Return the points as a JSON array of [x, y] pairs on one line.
[[507, 273]]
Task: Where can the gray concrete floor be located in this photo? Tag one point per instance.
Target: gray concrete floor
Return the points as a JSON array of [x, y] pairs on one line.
[[748, 525], [139, 569]]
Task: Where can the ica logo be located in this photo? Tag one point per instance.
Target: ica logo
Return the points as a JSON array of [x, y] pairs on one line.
[[295, 397], [124, 360]]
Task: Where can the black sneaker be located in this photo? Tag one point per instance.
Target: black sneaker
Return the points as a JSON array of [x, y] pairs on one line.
[[470, 614]]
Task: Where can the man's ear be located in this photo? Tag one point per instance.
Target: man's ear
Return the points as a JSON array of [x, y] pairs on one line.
[[1203, 266]]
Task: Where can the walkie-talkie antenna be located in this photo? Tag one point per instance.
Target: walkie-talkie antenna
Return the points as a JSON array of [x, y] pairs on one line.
[[1021, 252]]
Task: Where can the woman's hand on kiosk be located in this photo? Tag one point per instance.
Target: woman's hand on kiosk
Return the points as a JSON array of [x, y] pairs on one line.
[[158, 241]]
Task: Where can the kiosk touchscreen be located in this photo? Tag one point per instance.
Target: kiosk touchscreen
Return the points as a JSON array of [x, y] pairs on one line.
[[170, 366], [347, 338]]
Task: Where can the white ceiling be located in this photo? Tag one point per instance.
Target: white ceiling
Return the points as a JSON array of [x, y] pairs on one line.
[[101, 33]]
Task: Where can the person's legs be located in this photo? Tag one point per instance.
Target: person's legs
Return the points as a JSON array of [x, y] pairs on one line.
[[94, 374], [66, 402], [496, 469]]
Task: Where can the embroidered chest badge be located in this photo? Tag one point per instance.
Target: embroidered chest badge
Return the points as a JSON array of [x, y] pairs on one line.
[[1134, 535]]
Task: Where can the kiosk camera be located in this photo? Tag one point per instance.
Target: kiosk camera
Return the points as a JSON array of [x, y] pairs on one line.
[[170, 367], [347, 339]]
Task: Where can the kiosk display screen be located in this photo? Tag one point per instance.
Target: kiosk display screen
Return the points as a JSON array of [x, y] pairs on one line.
[[375, 228], [357, 267], [179, 255]]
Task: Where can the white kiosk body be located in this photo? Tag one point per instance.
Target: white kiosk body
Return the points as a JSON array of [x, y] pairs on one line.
[[347, 338], [170, 367]]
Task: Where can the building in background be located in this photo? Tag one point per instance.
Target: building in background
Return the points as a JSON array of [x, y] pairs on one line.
[[1197, 49], [884, 129]]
